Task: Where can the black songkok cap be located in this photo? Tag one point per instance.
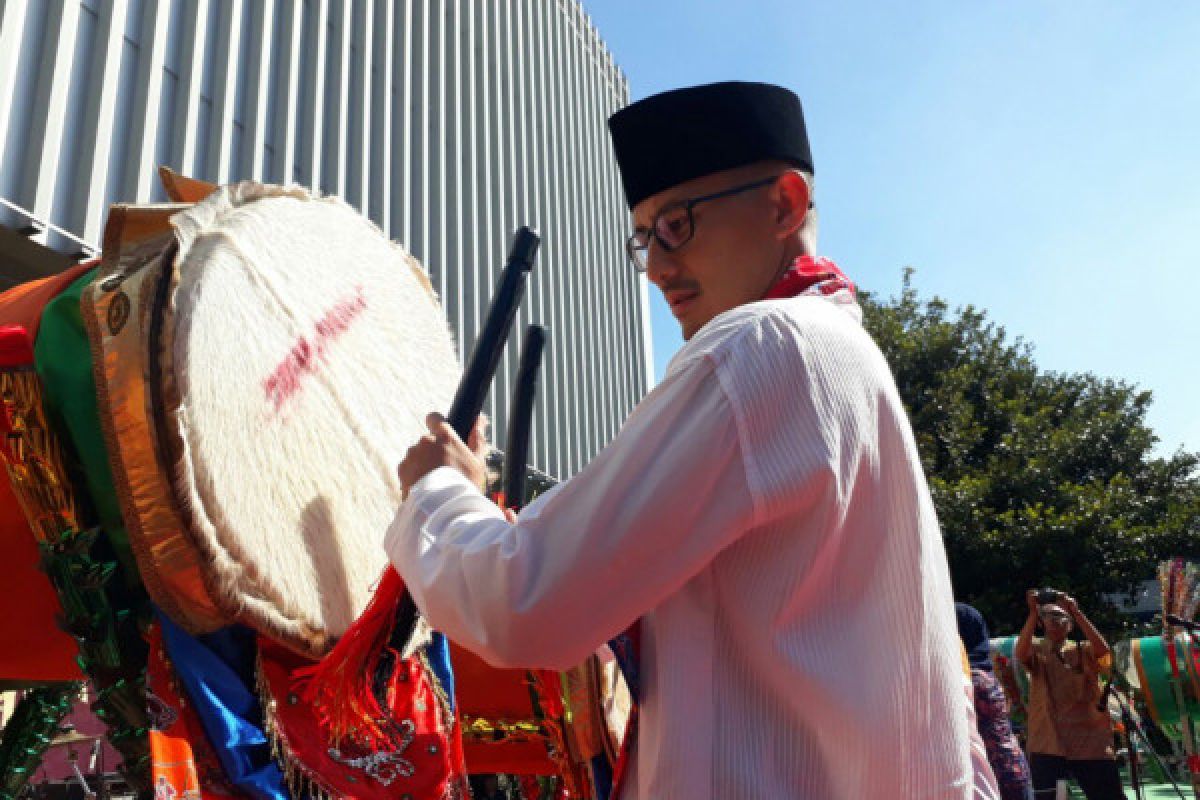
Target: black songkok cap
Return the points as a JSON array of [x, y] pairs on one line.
[[676, 136]]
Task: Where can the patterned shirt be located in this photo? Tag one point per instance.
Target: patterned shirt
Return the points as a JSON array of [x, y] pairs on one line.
[[1064, 688], [1003, 749]]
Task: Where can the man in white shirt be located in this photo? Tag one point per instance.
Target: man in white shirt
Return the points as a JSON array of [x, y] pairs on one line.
[[762, 512]]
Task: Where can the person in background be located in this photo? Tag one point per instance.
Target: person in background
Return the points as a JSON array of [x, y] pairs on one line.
[[1068, 735], [991, 709]]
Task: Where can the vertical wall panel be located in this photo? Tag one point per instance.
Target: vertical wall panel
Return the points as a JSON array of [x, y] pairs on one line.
[[491, 178], [193, 35], [225, 64], [569, 334], [144, 117], [286, 92], [467, 150], [260, 37], [419, 108], [448, 122], [547, 416], [314, 118], [402, 177], [338, 111], [97, 129], [360, 168], [50, 105], [506, 166], [573, 266], [379, 166], [13, 26], [452, 211]]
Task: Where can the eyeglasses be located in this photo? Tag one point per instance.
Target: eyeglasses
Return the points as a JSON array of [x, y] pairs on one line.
[[674, 226]]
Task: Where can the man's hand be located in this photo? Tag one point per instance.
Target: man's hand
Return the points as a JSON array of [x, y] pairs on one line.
[[1069, 605], [1032, 601], [441, 447]]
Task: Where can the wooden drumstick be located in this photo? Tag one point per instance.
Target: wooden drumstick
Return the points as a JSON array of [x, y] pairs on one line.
[[516, 447], [481, 367]]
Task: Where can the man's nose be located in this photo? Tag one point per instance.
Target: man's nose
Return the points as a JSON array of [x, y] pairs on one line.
[[661, 265]]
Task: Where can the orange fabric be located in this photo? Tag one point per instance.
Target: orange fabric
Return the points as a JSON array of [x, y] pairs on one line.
[[183, 765], [22, 305], [32, 648], [182, 189]]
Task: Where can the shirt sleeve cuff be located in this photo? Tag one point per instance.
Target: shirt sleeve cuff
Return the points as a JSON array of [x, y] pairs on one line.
[[437, 480], [424, 498]]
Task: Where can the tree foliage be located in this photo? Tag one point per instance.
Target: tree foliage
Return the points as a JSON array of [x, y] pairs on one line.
[[1039, 478]]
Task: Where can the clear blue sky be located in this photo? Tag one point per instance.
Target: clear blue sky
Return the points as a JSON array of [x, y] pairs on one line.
[[1040, 160]]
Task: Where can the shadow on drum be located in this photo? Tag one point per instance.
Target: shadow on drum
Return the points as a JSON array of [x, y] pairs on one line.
[[333, 584]]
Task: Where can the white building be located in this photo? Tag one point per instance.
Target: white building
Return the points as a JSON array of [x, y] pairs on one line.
[[448, 122]]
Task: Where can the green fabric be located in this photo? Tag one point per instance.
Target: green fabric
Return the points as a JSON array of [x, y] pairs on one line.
[[63, 359]]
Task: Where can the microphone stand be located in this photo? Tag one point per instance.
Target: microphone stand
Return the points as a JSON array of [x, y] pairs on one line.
[[1132, 726]]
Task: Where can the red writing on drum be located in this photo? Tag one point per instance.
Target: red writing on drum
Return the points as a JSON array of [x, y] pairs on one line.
[[309, 351]]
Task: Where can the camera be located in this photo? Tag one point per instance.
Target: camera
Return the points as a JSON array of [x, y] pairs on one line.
[[1045, 596]]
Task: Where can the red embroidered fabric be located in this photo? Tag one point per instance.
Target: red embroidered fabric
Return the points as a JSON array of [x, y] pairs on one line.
[[419, 755]]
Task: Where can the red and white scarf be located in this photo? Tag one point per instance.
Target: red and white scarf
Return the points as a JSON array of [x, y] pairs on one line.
[[812, 275]]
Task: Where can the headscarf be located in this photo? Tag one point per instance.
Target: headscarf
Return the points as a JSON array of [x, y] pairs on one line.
[[974, 634]]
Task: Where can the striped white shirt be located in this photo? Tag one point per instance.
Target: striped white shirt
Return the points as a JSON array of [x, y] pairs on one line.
[[764, 512]]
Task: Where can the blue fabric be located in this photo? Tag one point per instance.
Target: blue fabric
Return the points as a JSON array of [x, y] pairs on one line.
[[217, 671], [602, 777], [975, 638], [438, 653]]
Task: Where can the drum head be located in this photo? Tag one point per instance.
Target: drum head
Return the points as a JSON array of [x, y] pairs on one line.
[[293, 353]]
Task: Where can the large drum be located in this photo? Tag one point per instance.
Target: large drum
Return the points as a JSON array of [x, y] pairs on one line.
[[263, 367], [262, 360], [1168, 671]]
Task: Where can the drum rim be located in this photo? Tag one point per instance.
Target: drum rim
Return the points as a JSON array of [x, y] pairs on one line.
[[190, 603]]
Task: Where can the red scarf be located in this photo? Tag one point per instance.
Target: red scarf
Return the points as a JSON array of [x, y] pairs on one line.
[[810, 275]]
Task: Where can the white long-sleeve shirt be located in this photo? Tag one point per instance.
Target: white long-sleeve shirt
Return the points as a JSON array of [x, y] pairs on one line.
[[764, 512]]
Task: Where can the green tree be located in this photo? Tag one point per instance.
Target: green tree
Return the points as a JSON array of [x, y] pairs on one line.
[[1039, 478]]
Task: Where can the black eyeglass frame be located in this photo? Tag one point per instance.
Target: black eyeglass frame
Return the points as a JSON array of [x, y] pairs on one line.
[[634, 244]]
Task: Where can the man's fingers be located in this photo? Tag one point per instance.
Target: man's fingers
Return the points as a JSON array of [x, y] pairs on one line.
[[437, 425], [477, 441]]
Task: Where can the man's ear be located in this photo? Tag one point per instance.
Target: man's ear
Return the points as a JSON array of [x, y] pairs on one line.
[[790, 196]]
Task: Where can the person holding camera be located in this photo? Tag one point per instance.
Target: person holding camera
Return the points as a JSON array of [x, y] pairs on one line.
[[1068, 735]]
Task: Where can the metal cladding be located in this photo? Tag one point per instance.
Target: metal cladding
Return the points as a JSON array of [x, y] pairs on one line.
[[448, 122]]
